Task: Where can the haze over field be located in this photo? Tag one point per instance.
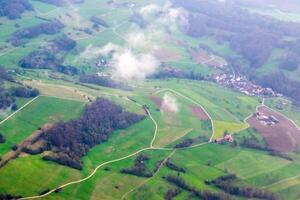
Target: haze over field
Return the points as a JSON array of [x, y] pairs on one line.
[[150, 99]]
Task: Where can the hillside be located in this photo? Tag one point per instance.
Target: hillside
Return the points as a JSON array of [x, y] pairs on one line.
[[149, 99]]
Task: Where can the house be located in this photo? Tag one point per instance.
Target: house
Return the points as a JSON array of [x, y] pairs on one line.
[[226, 138]]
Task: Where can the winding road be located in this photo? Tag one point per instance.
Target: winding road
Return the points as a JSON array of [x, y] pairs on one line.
[[132, 154]]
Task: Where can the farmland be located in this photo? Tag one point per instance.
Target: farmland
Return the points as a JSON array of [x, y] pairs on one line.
[[146, 57]]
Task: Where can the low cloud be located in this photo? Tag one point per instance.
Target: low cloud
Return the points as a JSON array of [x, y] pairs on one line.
[[167, 15], [128, 66], [150, 9], [92, 52], [169, 103]]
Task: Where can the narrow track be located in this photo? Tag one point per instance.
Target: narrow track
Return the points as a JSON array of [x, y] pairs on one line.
[[10, 116]]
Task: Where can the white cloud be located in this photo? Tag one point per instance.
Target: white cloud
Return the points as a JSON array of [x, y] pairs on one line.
[[128, 66], [169, 103], [150, 9], [92, 52]]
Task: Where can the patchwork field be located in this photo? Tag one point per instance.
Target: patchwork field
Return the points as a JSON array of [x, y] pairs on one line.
[[183, 116]]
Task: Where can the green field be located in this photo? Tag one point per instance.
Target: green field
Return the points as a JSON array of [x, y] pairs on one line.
[[41, 111], [63, 97]]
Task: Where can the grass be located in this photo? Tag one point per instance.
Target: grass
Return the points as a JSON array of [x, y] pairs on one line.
[[248, 164], [43, 110], [175, 125], [221, 127], [272, 177], [32, 175]]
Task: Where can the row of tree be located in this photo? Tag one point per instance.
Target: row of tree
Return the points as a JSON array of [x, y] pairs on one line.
[[226, 183], [103, 81], [8, 95], [205, 194], [139, 169]]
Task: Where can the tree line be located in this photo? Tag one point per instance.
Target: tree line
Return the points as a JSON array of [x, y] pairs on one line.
[[226, 183]]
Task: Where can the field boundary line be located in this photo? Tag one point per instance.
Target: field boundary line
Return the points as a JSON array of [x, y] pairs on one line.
[[14, 113], [198, 104], [281, 181]]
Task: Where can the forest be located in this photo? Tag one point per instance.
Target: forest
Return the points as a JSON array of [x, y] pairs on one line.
[[69, 141]]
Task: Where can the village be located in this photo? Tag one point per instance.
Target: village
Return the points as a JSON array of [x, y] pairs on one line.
[[243, 85]]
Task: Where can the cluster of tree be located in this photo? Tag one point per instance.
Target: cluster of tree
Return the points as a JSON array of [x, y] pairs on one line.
[[174, 167], [280, 155], [226, 183], [98, 22], [138, 20], [169, 72], [278, 81], [61, 2], [25, 92], [172, 193], [252, 143], [2, 138], [69, 141], [51, 56], [103, 81], [14, 8], [139, 168], [6, 97], [4, 75], [9, 196], [20, 37], [185, 143], [180, 182]]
